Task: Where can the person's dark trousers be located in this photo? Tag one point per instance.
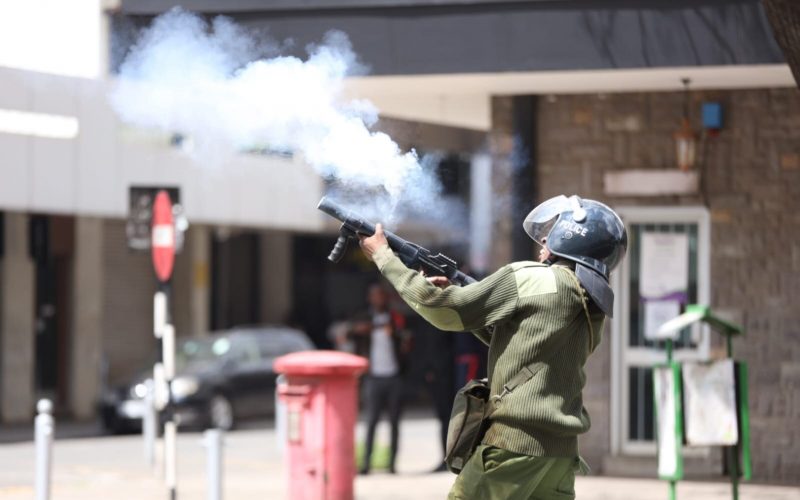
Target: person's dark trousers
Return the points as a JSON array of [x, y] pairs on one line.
[[441, 388], [443, 392], [383, 393]]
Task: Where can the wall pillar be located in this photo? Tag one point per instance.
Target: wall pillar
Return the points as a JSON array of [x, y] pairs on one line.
[[16, 322], [480, 219], [501, 150], [276, 276], [512, 150], [87, 317]]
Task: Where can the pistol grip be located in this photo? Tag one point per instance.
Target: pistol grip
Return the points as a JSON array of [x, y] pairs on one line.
[[339, 248]]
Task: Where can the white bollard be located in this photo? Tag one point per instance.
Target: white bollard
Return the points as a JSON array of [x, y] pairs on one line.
[[44, 429], [212, 440], [149, 423]]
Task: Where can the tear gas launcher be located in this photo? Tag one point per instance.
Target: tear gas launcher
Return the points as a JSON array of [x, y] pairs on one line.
[[412, 255]]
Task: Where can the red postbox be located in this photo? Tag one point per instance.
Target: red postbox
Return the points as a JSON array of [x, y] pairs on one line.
[[321, 398]]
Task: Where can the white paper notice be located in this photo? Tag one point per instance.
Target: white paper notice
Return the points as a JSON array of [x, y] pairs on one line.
[[658, 312], [710, 395], [668, 445], [664, 264]]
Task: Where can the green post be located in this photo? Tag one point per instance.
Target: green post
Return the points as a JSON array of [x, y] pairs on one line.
[[744, 412], [673, 494], [733, 464], [733, 451]]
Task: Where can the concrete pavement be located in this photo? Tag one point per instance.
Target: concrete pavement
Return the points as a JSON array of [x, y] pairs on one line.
[[113, 467]]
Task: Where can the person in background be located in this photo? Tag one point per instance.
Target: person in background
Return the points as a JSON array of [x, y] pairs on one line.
[[380, 334]]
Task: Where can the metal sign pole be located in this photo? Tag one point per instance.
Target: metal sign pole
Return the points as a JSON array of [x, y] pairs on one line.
[[170, 425], [733, 451], [170, 460], [160, 314], [149, 422], [733, 463], [673, 494], [163, 242]]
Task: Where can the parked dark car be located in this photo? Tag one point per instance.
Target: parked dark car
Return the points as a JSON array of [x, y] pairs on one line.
[[220, 379]]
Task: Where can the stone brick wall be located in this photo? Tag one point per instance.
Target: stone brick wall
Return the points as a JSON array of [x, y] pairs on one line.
[[751, 179]]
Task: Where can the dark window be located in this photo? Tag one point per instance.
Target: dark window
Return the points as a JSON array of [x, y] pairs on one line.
[[235, 281], [640, 417]]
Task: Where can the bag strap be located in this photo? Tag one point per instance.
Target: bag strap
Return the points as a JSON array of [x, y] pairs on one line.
[[585, 309], [527, 372]]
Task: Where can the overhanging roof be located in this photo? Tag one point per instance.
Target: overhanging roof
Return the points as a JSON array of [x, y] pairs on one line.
[[150, 7], [440, 61], [402, 37], [463, 99]]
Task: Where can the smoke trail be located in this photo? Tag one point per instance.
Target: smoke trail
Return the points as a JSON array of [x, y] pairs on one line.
[[184, 75]]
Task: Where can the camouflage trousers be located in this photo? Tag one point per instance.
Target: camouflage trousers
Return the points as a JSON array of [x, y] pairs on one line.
[[497, 474]]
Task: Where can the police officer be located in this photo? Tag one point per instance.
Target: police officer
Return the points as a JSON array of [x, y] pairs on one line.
[[541, 321]]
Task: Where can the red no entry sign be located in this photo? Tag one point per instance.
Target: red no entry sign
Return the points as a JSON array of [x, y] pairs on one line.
[[162, 243]]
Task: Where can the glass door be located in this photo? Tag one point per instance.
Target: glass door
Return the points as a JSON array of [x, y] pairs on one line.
[[667, 267]]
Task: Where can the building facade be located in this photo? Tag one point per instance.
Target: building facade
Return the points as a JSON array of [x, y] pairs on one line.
[[537, 98], [742, 224]]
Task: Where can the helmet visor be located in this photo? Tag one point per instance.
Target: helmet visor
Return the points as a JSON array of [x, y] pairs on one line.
[[541, 220]]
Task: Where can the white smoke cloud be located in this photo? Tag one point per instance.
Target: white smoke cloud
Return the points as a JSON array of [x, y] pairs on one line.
[[205, 81]]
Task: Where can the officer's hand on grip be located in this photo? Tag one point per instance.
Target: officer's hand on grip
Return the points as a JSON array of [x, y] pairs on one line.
[[371, 244], [439, 281]]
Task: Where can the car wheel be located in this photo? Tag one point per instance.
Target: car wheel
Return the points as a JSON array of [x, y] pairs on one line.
[[220, 413]]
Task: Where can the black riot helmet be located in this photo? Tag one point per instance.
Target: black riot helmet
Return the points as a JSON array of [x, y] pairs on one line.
[[586, 232]]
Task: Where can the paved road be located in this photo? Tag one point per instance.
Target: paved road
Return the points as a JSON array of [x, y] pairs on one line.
[[97, 468]]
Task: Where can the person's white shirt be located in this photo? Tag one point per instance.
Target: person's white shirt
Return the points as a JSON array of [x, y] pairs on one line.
[[382, 359]]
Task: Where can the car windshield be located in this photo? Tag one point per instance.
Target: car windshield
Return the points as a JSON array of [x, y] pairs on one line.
[[201, 351]]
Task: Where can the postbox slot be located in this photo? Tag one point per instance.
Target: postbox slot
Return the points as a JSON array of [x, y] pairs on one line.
[[294, 391]]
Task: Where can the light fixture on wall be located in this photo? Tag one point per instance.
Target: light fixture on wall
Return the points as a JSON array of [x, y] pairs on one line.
[[13, 121], [685, 137]]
